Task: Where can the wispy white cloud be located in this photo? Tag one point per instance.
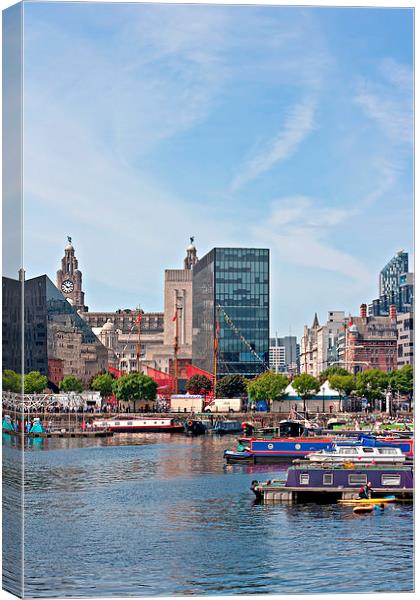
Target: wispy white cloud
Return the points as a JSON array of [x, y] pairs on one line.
[[389, 102], [299, 229], [299, 122]]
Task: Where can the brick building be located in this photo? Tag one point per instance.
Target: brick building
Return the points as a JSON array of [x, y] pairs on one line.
[[369, 342]]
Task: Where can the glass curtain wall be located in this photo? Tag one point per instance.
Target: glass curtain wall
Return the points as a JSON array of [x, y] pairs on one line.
[[242, 310], [231, 289]]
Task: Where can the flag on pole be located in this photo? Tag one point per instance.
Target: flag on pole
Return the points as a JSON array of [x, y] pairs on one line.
[[138, 319], [175, 315]]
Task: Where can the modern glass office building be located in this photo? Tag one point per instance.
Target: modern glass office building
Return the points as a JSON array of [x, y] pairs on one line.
[[389, 277], [396, 286], [54, 333], [231, 297]]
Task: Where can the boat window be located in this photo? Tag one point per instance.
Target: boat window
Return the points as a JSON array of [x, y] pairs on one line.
[[357, 479], [155, 423], [348, 451], [327, 479], [387, 450], [367, 450], [304, 478], [129, 422], [391, 479], [116, 423]]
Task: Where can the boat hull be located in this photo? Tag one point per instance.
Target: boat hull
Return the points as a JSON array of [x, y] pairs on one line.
[[392, 460], [148, 429], [145, 425]]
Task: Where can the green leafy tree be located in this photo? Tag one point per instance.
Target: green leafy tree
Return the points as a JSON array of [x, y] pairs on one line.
[[200, 385], [268, 386], [344, 384], [103, 383], [371, 384], [12, 382], [306, 386], [401, 381], [231, 386], [34, 382], [135, 386], [103, 372], [334, 370], [70, 383]]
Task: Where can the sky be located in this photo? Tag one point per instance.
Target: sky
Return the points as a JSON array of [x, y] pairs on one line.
[[286, 128]]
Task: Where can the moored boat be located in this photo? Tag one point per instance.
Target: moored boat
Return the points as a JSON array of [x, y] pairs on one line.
[[197, 426], [359, 453], [139, 425], [317, 482], [227, 426], [276, 450]]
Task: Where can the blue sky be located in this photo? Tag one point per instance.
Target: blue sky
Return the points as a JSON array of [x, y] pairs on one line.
[[287, 128]]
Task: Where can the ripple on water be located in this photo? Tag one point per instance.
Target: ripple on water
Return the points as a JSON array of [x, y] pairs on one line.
[[162, 515]]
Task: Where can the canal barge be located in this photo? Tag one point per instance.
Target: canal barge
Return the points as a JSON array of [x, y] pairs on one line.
[[145, 424], [277, 450], [314, 482]]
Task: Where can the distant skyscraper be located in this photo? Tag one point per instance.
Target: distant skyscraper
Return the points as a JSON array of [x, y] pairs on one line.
[[283, 354], [389, 277], [231, 299], [396, 287]]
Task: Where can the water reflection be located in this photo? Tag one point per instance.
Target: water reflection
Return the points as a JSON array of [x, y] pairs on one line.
[[163, 515]]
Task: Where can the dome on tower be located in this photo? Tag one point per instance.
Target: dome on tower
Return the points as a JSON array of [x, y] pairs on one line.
[[109, 326], [191, 259], [69, 245]]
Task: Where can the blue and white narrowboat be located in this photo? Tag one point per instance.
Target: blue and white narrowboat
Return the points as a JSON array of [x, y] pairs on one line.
[[275, 450]]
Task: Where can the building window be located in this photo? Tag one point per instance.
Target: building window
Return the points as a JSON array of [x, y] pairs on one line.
[[391, 479], [357, 479]]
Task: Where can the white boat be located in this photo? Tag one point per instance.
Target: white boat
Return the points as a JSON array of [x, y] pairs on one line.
[[127, 425], [357, 454]]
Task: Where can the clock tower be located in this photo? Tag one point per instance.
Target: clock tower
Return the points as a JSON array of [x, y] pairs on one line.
[[69, 279]]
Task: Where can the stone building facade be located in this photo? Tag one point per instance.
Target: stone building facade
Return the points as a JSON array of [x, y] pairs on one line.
[[405, 340], [317, 342]]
